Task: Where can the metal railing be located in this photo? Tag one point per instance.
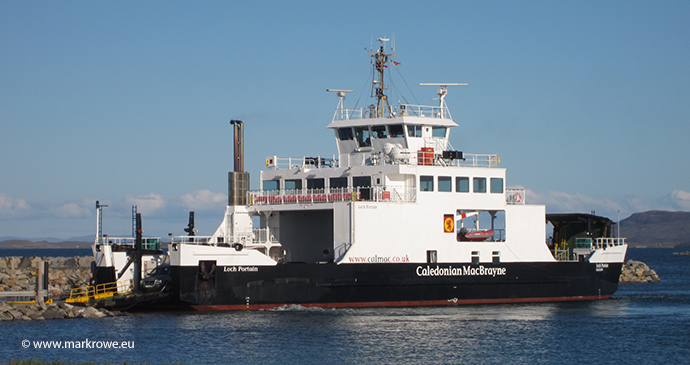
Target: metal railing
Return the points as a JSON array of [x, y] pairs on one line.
[[423, 111], [316, 196], [253, 236], [105, 290], [149, 243], [302, 162], [266, 235], [606, 242], [375, 158]]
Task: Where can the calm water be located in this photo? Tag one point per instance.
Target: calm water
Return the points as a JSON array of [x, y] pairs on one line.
[[643, 323]]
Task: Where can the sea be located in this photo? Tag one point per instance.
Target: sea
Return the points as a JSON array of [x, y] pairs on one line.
[[642, 324]]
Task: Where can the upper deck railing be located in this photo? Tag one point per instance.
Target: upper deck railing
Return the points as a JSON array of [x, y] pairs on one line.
[[423, 111], [375, 159], [396, 194], [148, 243]]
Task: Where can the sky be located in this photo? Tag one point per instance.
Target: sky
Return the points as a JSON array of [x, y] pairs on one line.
[[587, 103]]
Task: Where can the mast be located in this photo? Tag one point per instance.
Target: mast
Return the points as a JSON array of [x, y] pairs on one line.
[[380, 61]]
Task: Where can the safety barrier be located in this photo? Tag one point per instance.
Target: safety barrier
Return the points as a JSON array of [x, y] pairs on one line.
[[104, 290]]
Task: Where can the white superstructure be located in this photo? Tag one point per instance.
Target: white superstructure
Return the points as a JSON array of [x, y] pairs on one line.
[[395, 192]]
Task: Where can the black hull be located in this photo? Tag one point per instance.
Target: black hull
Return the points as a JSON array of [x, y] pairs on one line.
[[389, 285]]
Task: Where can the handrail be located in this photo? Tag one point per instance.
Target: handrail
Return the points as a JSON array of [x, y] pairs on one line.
[[606, 242], [314, 196], [423, 111], [104, 290], [375, 158]]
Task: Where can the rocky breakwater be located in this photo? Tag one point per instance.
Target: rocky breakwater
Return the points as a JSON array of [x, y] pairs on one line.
[[64, 273], [27, 312], [638, 272]]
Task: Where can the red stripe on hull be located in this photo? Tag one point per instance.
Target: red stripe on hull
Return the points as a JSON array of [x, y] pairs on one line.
[[419, 303]]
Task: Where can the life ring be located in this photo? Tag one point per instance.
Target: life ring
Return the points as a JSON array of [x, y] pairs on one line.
[[518, 198]]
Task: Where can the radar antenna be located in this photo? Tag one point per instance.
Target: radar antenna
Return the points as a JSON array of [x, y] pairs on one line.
[[443, 91], [341, 103]]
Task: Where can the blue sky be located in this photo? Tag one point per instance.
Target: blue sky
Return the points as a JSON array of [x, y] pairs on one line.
[[586, 102]]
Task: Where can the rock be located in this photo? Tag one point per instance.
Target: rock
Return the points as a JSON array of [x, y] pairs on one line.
[[5, 307], [15, 314], [637, 272], [91, 312], [85, 262], [52, 313], [24, 262]]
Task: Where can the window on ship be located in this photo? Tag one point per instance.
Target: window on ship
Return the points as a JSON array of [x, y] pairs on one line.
[[344, 134], [426, 183], [338, 184], [438, 132], [316, 186], [462, 184], [293, 185], [479, 185], [414, 130], [396, 131], [497, 185], [379, 131], [363, 136], [271, 185], [444, 183]]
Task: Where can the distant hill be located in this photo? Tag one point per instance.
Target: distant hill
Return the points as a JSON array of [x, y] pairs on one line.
[[657, 228], [43, 244]]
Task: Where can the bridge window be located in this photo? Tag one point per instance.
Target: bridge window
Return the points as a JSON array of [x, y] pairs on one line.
[[444, 183], [271, 185], [414, 130], [497, 185], [462, 184], [438, 132], [344, 134], [479, 185], [379, 131], [396, 131], [363, 136], [426, 183]]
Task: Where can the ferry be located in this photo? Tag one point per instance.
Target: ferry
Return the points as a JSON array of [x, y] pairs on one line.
[[397, 217]]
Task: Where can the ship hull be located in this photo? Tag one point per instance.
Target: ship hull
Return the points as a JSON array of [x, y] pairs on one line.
[[391, 285]]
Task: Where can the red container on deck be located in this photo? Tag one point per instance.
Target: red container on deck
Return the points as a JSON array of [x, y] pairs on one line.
[[425, 156]]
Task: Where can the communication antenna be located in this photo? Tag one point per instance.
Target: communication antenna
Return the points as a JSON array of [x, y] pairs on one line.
[[380, 61]]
